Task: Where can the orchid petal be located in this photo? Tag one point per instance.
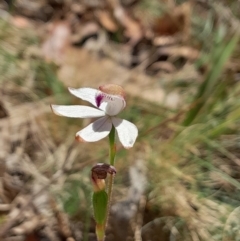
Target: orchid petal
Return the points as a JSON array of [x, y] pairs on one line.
[[77, 111], [127, 131], [88, 94], [110, 104], [95, 131]]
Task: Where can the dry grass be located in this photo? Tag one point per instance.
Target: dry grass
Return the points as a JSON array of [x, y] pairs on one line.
[[192, 175]]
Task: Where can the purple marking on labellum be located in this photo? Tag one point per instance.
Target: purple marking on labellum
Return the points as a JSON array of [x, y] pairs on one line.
[[99, 99]]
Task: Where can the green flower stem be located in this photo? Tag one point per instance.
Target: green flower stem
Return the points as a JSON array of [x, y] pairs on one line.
[[110, 187], [112, 146], [101, 198], [112, 155], [100, 231]]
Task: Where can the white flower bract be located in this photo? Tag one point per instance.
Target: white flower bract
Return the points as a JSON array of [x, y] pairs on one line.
[[107, 107]]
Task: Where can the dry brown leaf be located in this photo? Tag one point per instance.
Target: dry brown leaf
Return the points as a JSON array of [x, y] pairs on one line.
[[180, 51], [129, 2], [165, 40], [84, 31], [58, 39], [3, 111], [163, 66], [78, 8], [133, 29], [32, 237], [27, 226], [20, 22], [106, 20], [175, 21], [5, 207]]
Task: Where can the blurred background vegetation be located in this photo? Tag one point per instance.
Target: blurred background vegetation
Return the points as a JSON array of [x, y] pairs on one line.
[[179, 62]]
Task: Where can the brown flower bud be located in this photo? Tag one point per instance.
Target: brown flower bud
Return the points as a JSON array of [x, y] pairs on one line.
[[101, 170], [99, 173]]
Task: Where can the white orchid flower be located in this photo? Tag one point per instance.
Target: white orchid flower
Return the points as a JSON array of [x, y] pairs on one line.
[[109, 101]]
